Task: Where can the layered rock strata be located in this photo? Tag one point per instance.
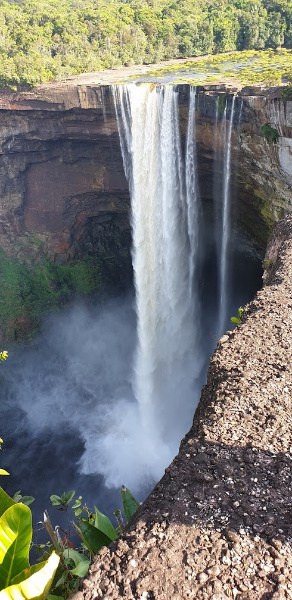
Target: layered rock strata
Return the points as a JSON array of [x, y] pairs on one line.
[[62, 183], [218, 524]]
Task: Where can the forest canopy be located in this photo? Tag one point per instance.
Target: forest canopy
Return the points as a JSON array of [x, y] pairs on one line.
[[41, 40]]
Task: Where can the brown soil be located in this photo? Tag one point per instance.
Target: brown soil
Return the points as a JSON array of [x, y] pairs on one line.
[[218, 525]]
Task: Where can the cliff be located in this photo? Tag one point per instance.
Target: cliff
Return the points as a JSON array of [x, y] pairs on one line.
[[64, 196], [218, 524], [61, 172]]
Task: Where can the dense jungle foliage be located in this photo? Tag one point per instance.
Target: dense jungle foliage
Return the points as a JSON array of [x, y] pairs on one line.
[[42, 40]]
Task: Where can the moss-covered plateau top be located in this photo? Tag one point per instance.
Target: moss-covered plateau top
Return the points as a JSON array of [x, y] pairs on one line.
[[251, 67]]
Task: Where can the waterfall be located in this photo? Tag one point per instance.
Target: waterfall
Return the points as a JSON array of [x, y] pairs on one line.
[[165, 224], [224, 291], [240, 113], [193, 207], [139, 434]]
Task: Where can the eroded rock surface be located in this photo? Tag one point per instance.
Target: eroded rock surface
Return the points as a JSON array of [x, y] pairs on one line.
[[62, 184], [218, 524]]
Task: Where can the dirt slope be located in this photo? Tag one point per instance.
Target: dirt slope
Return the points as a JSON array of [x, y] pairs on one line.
[[218, 525]]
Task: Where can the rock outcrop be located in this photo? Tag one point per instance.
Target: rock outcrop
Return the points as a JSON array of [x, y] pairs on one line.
[[62, 182], [61, 178], [218, 524]]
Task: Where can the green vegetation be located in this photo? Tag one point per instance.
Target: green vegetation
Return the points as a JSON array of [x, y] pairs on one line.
[[270, 133], [17, 578], [250, 67], [2, 471], [27, 291], [95, 531], [238, 319], [47, 39], [287, 91], [62, 565], [267, 264]]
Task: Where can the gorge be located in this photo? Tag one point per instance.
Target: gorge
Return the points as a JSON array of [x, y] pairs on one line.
[[65, 196]]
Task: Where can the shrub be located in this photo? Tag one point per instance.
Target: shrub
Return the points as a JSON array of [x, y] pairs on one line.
[[270, 133]]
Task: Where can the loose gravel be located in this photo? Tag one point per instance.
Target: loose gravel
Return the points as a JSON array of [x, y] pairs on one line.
[[219, 523]]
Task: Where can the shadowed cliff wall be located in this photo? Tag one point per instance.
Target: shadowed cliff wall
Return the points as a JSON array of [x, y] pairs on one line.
[[63, 192]]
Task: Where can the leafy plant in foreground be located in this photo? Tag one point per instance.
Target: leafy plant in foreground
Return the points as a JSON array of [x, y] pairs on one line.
[[18, 579], [63, 564], [94, 529], [3, 356], [2, 471]]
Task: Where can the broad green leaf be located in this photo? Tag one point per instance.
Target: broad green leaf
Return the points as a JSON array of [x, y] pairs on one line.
[[16, 496], [53, 597], [55, 500], [67, 497], [27, 500], [235, 320], [130, 505], [36, 587], [77, 502], [3, 472], [93, 538], [15, 539], [102, 523], [81, 563], [26, 573], [5, 502]]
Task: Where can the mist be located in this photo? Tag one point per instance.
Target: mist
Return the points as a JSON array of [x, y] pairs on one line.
[[69, 417], [68, 412], [106, 392]]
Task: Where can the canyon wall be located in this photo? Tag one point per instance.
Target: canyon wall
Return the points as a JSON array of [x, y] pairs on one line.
[[63, 192], [61, 172]]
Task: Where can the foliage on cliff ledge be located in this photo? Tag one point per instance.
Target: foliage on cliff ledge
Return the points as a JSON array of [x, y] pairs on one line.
[[42, 40], [27, 291]]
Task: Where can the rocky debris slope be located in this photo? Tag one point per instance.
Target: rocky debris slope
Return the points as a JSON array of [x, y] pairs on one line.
[[218, 524]]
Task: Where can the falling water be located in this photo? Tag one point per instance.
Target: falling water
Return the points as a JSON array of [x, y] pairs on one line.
[[128, 427], [240, 113], [165, 237], [226, 130], [193, 208]]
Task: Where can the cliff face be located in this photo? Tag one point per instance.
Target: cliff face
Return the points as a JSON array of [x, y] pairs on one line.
[[64, 210], [61, 172], [261, 169], [64, 196], [61, 178]]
